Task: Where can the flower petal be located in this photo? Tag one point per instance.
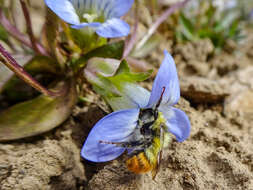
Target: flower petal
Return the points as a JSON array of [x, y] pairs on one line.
[[113, 28], [137, 94], [115, 127], [84, 24], [177, 121], [64, 9], [133, 96], [108, 8], [85, 6], [119, 103], [119, 8], [166, 77]]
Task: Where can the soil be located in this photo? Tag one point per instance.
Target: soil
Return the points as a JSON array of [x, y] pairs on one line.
[[217, 95]]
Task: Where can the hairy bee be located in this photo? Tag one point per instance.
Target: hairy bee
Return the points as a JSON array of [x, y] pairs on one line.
[[147, 151], [147, 141]]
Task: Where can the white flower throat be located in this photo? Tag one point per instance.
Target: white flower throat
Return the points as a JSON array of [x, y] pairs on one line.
[[90, 17]]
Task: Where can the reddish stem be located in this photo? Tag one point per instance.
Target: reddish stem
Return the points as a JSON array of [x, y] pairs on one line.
[[18, 35], [131, 42], [29, 26], [11, 63]]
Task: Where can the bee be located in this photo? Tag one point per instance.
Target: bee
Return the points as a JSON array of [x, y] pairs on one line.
[[147, 141], [147, 154]]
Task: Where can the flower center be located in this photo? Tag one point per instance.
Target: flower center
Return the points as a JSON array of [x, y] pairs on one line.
[[90, 17]]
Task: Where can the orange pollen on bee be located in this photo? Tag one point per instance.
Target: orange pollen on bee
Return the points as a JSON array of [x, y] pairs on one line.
[[139, 164]]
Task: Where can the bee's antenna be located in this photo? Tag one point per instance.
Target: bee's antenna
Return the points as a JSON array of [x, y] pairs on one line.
[[107, 142], [160, 99]]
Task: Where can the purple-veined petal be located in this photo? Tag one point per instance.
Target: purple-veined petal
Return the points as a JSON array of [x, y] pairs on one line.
[[177, 122], [64, 9], [113, 28], [84, 24], [137, 94], [108, 8], [82, 5], [115, 127], [119, 8], [166, 77], [99, 7]]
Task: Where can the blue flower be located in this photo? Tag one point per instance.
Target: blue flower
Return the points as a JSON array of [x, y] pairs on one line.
[[101, 15], [121, 126]]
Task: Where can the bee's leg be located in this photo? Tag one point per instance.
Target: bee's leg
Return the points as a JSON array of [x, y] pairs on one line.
[[114, 143], [132, 144]]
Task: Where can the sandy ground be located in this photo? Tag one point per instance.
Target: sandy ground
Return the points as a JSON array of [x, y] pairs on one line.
[[218, 98], [217, 95]]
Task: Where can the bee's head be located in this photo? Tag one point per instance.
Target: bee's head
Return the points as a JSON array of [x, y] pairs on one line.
[[147, 115]]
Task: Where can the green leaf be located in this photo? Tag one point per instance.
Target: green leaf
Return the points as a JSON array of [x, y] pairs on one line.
[[115, 85], [187, 27], [123, 74], [42, 64], [226, 21], [113, 50], [125, 82], [103, 72], [234, 30], [207, 21], [3, 34], [87, 39], [51, 28], [38, 115]]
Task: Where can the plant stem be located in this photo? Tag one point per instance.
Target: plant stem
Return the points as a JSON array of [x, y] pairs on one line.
[[131, 42], [18, 35], [11, 63], [159, 21], [29, 26]]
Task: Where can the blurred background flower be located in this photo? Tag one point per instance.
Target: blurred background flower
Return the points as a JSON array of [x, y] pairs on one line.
[[101, 15]]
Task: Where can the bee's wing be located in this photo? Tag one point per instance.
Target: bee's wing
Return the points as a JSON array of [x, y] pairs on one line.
[[157, 165], [159, 155]]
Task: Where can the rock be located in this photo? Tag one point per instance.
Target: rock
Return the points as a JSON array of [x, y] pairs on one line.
[[202, 90]]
